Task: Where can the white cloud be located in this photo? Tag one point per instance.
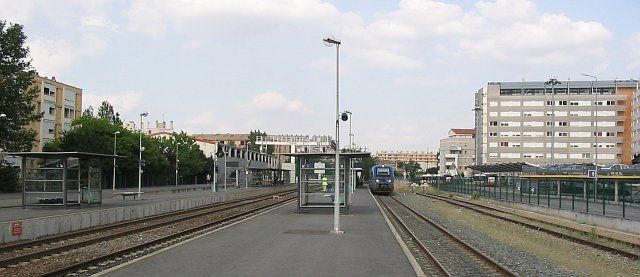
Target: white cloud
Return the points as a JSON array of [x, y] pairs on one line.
[[634, 53], [98, 21], [53, 56], [19, 12], [507, 31], [123, 102], [204, 20], [273, 101], [387, 58], [50, 56]]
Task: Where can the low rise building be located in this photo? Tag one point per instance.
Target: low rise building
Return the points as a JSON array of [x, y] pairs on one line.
[[59, 104], [457, 152], [426, 159]]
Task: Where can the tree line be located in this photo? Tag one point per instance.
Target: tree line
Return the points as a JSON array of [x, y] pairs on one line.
[[96, 133]]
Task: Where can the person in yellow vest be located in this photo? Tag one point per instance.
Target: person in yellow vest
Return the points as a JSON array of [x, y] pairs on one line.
[[325, 183]]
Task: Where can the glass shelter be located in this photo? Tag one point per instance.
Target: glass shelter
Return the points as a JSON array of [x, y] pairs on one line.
[[61, 179], [315, 177]]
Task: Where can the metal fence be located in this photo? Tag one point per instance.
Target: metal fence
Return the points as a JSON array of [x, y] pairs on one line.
[[618, 198]]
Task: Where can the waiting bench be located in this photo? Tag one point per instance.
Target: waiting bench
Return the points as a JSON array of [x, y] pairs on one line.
[[124, 194]]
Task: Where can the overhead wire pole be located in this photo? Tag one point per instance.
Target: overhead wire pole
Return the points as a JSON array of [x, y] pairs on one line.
[[336, 209], [553, 82]]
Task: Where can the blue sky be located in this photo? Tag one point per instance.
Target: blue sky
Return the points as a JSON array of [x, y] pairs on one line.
[[408, 68]]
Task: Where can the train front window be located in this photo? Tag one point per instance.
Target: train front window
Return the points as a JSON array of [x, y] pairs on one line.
[[384, 171]]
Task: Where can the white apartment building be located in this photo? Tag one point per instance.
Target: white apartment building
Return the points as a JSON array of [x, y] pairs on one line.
[[457, 152], [544, 123]]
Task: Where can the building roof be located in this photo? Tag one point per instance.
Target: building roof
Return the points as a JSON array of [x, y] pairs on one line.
[[329, 155], [464, 131], [221, 137]]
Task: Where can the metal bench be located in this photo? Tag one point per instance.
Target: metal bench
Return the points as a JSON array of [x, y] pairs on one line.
[[124, 194]]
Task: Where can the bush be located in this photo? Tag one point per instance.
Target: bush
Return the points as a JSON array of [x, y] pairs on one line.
[[475, 195], [8, 178]]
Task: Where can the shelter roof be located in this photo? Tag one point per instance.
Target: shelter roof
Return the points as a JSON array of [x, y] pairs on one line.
[[500, 168], [62, 155], [328, 155]]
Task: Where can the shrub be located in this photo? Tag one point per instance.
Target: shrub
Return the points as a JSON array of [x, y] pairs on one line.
[[8, 178], [475, 195]]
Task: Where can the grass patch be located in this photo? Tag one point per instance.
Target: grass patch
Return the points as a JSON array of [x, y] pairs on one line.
[[574, 257]]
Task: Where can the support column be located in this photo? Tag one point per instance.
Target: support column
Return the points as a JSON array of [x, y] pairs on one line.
[[584, 190], [615, 192]]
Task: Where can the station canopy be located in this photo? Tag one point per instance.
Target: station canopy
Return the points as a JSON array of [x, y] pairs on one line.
[[502, 167], [350, 155]]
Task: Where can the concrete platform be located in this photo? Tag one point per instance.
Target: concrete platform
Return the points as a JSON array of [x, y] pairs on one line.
[[284, 243], [41, 221]]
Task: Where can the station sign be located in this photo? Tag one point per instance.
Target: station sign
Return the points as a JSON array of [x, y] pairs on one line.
[[591, 174], [16, 228]]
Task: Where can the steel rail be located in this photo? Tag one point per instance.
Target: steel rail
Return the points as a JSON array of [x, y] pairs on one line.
[[439, 267], [479, 209], [190, 214], [500, 268]]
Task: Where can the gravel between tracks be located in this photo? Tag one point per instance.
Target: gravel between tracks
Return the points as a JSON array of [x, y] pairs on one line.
[[43, 265], [517, 260]]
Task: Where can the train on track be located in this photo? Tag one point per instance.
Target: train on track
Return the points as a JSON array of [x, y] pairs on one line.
[[382, 179]]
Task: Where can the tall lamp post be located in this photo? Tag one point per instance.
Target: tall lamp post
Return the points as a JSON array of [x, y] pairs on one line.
[[595, 120], [553, 82], [115, 144], [329, 42], [177, 160], [144, 114]]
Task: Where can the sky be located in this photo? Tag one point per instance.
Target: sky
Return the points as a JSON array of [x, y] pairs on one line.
[[408, 69]]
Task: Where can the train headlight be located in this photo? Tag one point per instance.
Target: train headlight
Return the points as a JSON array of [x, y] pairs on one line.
[[377, 181]]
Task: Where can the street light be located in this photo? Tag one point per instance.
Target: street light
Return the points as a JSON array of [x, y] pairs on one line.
[[329, 42], [144, 114], [115, 144], [595, 120], [553, 82], [177, 160]]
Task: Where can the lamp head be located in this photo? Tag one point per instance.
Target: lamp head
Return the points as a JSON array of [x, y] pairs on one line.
[[2, 115], [330, 41], [344, 116], [144, 114], [117, 133]]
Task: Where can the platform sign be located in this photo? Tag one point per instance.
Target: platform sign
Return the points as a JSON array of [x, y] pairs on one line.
[[16, 228], [591, 174], [320, 166]]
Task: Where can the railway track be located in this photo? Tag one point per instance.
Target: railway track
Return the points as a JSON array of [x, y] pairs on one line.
[[523, 221], [438, 251], [60, 255]]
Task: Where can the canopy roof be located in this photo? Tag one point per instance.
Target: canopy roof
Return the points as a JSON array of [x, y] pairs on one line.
[[329, 155], [501, 168], [53, 155]]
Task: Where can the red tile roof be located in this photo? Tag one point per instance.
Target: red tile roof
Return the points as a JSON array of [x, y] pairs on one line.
[[464, 131]]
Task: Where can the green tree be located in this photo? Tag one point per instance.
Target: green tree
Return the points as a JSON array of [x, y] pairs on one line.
[[88, 112], [16, 90], [253, 135], [105, 111]]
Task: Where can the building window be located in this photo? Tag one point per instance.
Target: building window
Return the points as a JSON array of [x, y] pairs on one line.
[[562, 134], [52, 111], [549, 123], [549, 103], [504, 144], [51, 131], [493, 123], [586, 155], [549, 134], [493, 134], [562, 103], [562, 123]]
